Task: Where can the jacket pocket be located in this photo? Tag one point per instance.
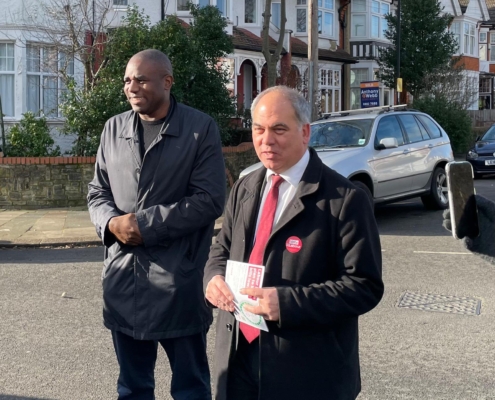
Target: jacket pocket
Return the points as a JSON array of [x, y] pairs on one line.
[[110, 255]]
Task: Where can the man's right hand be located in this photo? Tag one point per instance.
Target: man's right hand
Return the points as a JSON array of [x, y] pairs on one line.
[[219, 294], [126, 229]]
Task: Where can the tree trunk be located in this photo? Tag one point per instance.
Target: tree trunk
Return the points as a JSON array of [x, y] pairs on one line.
[[272, 58]]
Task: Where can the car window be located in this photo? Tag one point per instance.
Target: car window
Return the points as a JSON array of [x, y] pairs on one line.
[[411, 127], [490, 134], [423, 130], [389, 127], [345, 133], [430, 126]]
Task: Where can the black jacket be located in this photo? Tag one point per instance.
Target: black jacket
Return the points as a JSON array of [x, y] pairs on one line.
[[154, 291], [312, 351]]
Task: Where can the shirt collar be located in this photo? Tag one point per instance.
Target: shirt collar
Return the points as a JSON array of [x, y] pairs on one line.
[[294, 174]]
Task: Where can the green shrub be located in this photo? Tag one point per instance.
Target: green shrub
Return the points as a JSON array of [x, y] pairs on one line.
[[451, 117], [31, 138]]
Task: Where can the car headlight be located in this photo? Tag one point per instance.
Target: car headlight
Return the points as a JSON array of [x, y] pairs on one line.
[[472, 154]]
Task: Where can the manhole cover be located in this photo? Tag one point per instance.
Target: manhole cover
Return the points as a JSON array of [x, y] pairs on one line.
[[440, 303]]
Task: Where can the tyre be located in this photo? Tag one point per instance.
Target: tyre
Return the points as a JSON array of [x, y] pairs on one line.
[[477, 176], [438, 198], [366, 190]]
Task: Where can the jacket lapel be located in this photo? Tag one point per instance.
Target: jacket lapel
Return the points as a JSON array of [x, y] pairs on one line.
[[130, 135], [249, 207]]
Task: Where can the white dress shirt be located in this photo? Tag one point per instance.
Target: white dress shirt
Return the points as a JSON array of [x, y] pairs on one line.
[[287, 188]]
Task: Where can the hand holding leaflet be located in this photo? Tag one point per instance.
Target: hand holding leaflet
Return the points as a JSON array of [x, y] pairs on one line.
[[241, 275]]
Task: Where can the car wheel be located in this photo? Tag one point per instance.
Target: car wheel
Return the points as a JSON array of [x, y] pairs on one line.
[[366, 190], [438, 198]]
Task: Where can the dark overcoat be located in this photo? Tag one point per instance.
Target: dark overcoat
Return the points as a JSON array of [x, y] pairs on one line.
[[177, 190], [312, 351]]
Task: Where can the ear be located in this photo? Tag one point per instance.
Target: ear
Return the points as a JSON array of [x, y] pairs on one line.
[[306, 129], [168, 81]]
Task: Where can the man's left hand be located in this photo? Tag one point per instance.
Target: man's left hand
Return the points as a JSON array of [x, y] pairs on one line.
[[268, 306]]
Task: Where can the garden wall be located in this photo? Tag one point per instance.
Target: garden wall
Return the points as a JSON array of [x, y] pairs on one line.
[[43, 182]]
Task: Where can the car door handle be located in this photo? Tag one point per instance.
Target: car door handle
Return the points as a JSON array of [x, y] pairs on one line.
[[407, 151], [430, 146]]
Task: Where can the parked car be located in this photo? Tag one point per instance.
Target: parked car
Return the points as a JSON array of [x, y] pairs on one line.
[[390, 152], [482, 154]]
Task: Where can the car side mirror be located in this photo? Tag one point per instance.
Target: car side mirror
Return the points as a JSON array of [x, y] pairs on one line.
[[387, 143], [478, 138]]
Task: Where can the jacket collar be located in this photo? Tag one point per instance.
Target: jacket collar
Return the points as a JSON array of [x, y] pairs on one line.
[[253, 184], [170, 128]]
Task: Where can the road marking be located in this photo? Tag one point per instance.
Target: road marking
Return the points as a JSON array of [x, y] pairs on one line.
[[441, 252]]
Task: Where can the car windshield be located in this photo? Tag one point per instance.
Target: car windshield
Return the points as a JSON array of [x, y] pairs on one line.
[[490, 134], [339, 134]]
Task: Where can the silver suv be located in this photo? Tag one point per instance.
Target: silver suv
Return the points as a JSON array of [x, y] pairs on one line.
[[390, 152]]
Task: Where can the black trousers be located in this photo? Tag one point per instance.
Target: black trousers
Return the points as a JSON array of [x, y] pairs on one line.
[[188, 361], [243, 379]]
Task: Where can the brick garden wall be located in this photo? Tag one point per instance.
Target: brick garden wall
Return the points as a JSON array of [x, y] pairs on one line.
[[43, 182]]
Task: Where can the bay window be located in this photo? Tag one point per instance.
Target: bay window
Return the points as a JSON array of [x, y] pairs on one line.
[[492, 46], [7, 67], [358, 18], [358, 75], [469, 39], [301, 16], [325, 17], [329, 90], [276, 14], [250, 11], [44, 88], [378, 22]]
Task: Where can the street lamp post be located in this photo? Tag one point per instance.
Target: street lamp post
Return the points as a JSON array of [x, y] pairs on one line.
[[398, 50]]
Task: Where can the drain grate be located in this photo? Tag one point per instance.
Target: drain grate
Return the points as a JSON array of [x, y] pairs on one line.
[[440, 303]]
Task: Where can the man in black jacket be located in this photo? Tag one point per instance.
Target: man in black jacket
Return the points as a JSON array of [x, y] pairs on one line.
[[316, 235], [159, 185]]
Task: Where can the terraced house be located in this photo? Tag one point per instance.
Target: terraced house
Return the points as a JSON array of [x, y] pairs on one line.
[[30, 65]]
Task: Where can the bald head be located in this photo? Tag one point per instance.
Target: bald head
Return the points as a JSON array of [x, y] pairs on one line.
[[160, 60], [147, 83]]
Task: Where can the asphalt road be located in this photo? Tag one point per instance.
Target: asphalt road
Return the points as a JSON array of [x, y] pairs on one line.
[[55, 348]]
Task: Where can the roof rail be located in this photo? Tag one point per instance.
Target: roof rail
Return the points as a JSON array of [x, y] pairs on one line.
[[363, 111]]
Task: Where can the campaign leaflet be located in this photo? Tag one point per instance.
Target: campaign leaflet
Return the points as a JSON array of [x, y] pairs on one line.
[[241, 275]]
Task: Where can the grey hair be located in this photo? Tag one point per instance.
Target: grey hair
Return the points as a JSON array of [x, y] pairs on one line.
[[157, 57], [299, 103]]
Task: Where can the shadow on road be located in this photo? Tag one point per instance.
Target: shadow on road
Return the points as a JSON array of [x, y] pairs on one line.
[[51, 256], [10, 397], [409, 218]]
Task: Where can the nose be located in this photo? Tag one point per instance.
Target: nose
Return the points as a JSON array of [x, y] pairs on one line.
[[132, 86], [268, 137]]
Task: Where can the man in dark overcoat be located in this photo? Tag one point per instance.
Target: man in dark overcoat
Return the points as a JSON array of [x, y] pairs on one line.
[[159, 185], [322, 261]]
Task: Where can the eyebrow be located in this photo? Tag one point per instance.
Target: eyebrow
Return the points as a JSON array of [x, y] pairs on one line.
[[138, 78], [276, 125]]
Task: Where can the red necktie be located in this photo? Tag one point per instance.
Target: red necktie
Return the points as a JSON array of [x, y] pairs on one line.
[[264, 230]]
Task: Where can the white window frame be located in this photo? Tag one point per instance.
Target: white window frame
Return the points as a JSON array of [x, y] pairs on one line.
[[362, 75], [492, 46], [483, 37], [380, 17], [301, 12], [226, 14], [120, 3], [9, 48], [255, 20], [276, 14], [358, 10], [469, 38], [455, 29], [330, 87], [325, 12], [46, 74]]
